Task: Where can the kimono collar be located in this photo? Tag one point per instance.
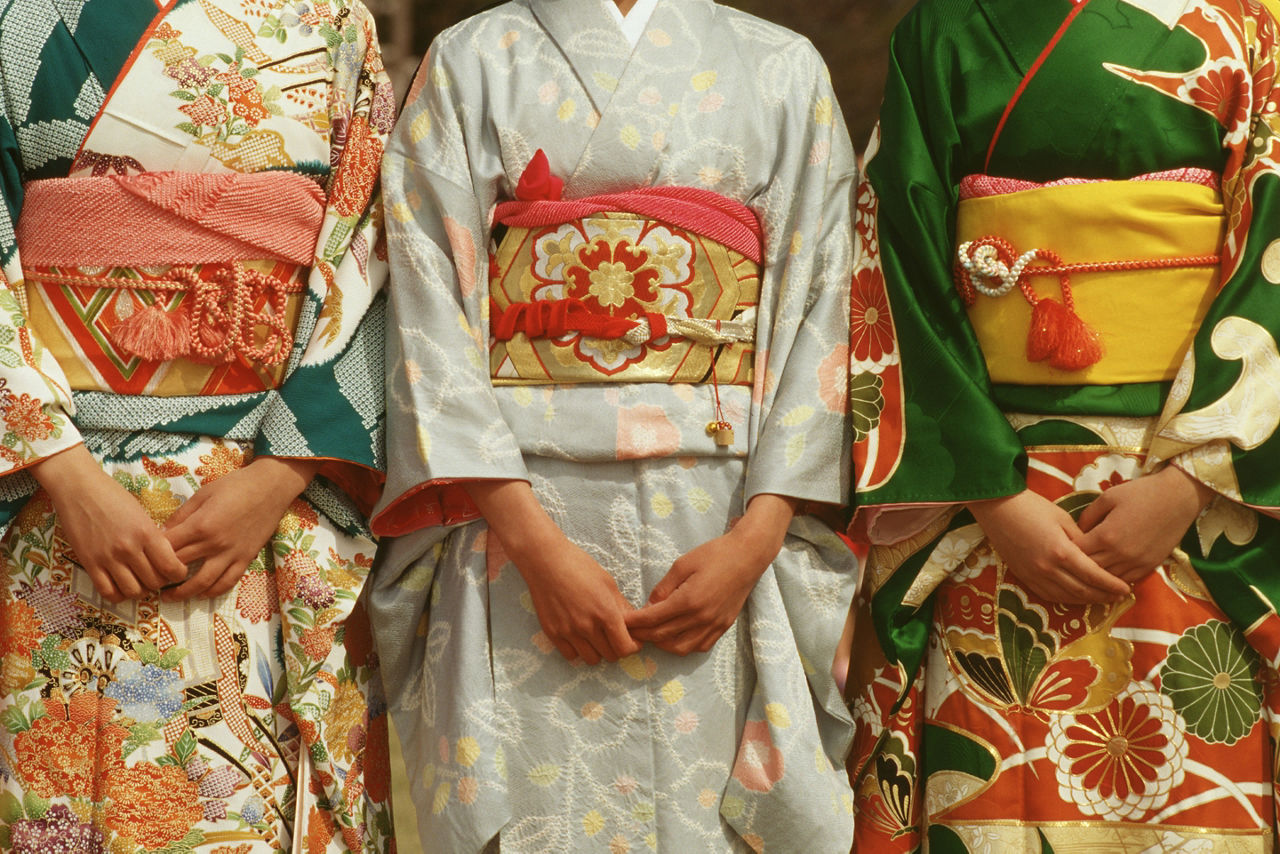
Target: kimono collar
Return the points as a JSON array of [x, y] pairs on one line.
[[635, 22], [590, 40], [1010, 21], [625, 143]]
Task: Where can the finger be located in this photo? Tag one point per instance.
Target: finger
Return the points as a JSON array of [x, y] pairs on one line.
[[164, 561], [103, 583], [195, 551], [563, 647], [1100, 540], [1094, 513], [1106, 557], [200, 580], [683, 643], [125, 581], [680, 570], [1134, 575], [620, 642], [1078, 590], [228, 580], [1072, 591], [653, 615], [668, 631], [154, 551], [1083, 569], [177, 517], [146, 575], [585, 650], [186, 537]]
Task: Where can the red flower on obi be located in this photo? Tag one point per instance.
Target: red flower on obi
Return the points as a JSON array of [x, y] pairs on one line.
[[1224, 93], [1117, 754], [871, 337], [1122, 761], [537, 183], [614, 279], [759, 764]]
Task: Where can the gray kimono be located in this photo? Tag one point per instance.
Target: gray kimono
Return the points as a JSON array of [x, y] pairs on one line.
[[736, 749]]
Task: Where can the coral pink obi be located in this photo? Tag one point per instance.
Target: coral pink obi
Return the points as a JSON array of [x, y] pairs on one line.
[[169, 283]]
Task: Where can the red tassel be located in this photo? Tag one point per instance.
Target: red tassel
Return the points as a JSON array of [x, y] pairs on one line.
[[1046, 328], [153, 334], [1061, 336]]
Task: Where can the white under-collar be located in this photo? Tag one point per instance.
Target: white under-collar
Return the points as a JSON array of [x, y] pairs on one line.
[[634, 22]]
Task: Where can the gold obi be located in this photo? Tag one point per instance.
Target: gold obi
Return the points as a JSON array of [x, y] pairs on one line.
[[689, 303], [237, 321], [1163, 237]]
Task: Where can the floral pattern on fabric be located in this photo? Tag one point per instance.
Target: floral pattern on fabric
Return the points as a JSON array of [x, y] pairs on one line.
[[252, 722], [110, 716], [735, 749], [987, 718]]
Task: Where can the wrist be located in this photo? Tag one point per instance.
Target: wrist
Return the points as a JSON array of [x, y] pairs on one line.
[[1180, 479], [284, 478], [534, 547], [68, 471]]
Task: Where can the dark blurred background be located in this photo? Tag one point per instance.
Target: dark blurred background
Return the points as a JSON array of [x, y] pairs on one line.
[[853, 36]]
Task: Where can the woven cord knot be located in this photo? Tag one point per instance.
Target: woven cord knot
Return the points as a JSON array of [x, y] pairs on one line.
[[992, 267], [223, 318]]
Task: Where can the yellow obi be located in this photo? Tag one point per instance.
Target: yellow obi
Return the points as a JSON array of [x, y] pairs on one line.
[[1145, 316], [685, 302]]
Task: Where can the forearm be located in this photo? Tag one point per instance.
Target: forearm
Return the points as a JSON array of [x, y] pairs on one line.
[[66, 472], [1187, 487], [283, 478], [764, 523], [511, 508]]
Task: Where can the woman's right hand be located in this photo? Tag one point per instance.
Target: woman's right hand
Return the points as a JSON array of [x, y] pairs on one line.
[[121, 548], [1037, 540], [577, 602]]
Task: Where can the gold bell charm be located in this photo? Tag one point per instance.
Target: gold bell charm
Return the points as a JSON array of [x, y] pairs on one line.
[[722, 432]]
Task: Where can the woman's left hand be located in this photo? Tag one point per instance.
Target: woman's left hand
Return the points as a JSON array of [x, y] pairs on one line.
[[1132, 528], [704, 591], [226, 523]]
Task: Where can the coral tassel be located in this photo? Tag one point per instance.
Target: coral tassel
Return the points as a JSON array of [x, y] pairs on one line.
[[153, 334], [1061, 336]]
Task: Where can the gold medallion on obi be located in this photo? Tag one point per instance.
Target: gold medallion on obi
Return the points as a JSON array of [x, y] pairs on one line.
[[617, 297]]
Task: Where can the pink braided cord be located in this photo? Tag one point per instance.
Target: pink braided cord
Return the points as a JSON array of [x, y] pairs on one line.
[[702, 212], [983, 186]]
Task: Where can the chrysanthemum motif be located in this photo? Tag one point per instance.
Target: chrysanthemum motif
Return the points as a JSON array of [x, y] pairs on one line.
[[866, 401], [1210, 678], [872, 325], [1121, 762]]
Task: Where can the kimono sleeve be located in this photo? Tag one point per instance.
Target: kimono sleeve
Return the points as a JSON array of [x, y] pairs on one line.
[[35, 398], [1220, 420], [330, 406], [927, 429], [443, 421], [802, 333]]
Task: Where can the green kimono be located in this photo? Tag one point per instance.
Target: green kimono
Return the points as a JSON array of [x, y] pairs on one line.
[[988, 718]]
